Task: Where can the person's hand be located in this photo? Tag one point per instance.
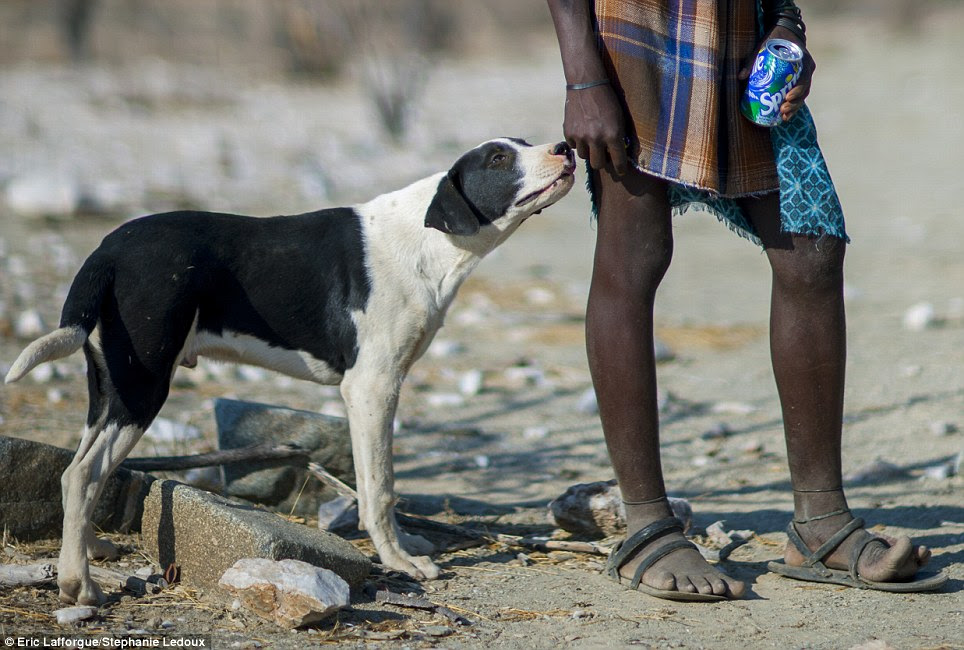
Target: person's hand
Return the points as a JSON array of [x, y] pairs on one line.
[[795, 98], [594, 127]]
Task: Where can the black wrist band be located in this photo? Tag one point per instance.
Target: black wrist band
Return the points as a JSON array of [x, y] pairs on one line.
[[588, 84], [798, 28]]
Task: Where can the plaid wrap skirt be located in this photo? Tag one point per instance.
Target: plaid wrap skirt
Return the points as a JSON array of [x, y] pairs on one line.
[[675, 65]]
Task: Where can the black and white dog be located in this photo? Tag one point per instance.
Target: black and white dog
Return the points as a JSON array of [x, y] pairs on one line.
[[349, 296]]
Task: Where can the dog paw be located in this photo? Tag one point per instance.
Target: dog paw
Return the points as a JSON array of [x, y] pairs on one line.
[[415, 544], [426, 568], [79, 592]]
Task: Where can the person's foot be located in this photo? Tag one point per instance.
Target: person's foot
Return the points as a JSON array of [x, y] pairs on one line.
[[883, 560], [683, 569]]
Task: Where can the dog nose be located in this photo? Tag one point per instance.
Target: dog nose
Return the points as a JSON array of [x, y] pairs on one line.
[[561, 149]]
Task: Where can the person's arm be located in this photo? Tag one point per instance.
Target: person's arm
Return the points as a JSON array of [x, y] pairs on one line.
[[593, 124]]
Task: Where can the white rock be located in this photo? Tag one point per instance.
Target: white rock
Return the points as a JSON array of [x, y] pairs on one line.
[[43, 373], [289, 592], [481, 461], [535, 433], [441, 348], [470, 383], [29, 324], [919, 317], [943, 428], [68, 615], [539, 296], [587, 402], [732, 408], [250, 373], [662, 351], [41, 195], [442, 400], [165, 430]]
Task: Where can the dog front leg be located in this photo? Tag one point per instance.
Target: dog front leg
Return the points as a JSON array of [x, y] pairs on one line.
[[371, 410]]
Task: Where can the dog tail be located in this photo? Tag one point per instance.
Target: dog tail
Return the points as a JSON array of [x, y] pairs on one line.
[[77, 321]]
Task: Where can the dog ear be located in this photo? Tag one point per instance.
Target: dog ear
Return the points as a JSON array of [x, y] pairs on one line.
[[449, 211]]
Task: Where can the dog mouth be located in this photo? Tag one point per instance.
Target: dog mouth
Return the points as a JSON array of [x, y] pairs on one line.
[[567, 172]]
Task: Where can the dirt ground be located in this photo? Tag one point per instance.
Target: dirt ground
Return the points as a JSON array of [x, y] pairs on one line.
[[886, 100]]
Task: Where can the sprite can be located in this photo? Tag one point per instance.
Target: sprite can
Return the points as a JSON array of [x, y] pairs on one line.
[[775, 72]]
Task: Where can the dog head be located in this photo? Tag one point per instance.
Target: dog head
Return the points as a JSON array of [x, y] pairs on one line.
[[500, 183]]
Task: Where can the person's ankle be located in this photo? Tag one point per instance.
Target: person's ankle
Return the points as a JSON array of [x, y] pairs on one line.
[[639, 515]]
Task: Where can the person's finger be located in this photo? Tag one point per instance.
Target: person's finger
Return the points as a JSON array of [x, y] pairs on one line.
[[597, 156], [617, 154]]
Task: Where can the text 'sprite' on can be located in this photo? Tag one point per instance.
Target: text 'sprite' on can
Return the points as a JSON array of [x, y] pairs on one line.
[[775, 72]]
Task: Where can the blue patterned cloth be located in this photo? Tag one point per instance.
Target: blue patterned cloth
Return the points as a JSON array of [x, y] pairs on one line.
[[808, 200]]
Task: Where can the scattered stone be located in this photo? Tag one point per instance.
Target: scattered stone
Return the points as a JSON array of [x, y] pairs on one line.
[[339, 514], [289, 592], [30, 502], [718, 431], [876, 472], [17, 575], [444, 400], [920, 317], [481, 461], [662, 351], [205, 478], [947, 469], [587, 402], [470, 383], [68, 615], [43, 195], [444, 348], [164, 431], [180, 523], [29, 324], [732, 408], [596, 510], [539, 296], [535, 433], [943, 428], [325, 438]]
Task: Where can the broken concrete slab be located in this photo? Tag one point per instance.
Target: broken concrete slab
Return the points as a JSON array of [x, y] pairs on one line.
[[205, 534], [274, 483], [289, 592], [30, 503]]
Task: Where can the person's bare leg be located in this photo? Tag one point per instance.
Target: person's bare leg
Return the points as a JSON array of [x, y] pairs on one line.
[[633, 250], [808, 350]]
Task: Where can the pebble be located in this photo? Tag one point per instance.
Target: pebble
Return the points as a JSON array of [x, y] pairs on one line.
[[43, 373], [440, 400], [732, 408], [718, 431], [943, 428], [339, 514], [68, 615], [29, 324], [470, 383], [587, 402], [165, 430], [919, 317], [535, 433], [539, 296], [443, 348], [944, 470], [481, 461]]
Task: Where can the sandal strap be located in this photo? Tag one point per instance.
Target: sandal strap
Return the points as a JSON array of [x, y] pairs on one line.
[[866, 539], [623, 551], [656, 556], [814, 560]]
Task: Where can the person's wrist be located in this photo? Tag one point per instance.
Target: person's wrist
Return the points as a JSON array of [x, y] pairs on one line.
[[585, 85]]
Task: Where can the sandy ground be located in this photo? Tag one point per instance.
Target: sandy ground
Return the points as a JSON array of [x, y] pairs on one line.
[[886, 102]]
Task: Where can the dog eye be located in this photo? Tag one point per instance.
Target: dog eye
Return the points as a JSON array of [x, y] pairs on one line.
[[497, 159]]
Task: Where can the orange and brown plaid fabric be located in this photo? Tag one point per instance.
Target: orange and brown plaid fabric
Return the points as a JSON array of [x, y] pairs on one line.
[[676, 65]]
